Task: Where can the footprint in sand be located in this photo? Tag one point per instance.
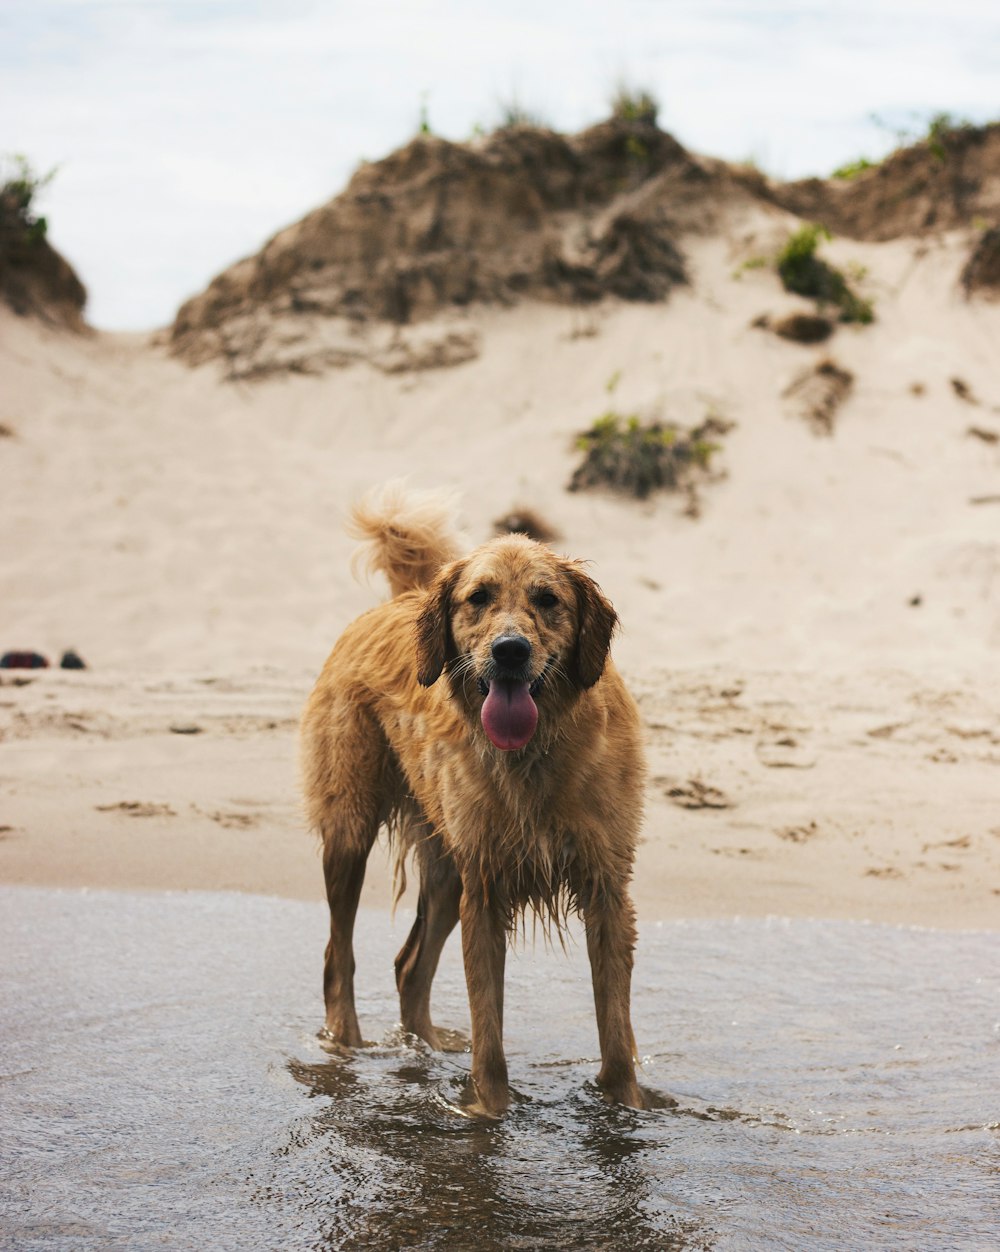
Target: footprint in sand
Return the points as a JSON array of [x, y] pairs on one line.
[[695, 794], [798, 834], [234, 821], [784, 753], [137, 808]]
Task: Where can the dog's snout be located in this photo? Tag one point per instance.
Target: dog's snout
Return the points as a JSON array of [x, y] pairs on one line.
[[511, 651]]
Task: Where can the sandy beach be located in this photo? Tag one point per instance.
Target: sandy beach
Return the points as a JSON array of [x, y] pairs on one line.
[[707, 297], [814, 654]]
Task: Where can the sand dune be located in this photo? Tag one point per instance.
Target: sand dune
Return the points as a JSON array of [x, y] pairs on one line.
[[815, 654]]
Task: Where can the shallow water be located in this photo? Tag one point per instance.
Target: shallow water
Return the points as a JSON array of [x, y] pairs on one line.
[[161, 1086]]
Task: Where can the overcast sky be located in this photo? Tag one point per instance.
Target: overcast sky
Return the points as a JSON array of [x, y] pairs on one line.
[[187, 132]]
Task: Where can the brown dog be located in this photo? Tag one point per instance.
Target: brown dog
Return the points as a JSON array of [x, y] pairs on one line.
[[478, 717]]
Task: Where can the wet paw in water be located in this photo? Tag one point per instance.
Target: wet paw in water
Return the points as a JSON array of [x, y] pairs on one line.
[[452, 1040], [445, 1040], [458, 1095], [653, 1101]]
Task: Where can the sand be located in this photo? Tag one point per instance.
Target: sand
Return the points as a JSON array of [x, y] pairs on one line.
[[815, 655]]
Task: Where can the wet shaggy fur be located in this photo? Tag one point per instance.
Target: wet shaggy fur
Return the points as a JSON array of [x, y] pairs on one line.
[[392, 737]]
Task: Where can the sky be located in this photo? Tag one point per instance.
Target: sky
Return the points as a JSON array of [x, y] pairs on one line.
[[185, 133]]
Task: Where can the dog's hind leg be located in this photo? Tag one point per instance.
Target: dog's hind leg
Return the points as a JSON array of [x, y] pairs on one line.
[[349, 787], [437, 916], [344, 871]]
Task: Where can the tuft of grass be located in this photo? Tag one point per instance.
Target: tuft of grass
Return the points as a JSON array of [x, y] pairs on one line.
[[19, 190], [751, 263], [424, 121], [631, 104], [935, 130], [636, 149], [853, 168], [805, 274], [636, 458], [940, 128], [512, 113]]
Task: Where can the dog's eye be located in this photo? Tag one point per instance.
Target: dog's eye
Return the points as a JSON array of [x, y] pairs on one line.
[[480, 597], [546, 600]]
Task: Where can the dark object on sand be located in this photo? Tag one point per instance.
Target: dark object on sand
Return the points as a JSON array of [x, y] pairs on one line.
[[72, 660], [820, 391], [982, 270], [23, 660], [804, 328], [525, 522], [962, 389]]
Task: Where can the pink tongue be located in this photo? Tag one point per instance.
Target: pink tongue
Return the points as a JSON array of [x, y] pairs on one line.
[[509, 715]]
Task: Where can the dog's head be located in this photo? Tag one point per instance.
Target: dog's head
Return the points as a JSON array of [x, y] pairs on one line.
[[514, 627]]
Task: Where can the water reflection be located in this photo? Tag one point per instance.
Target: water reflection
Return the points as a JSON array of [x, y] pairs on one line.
[[568, 1172], [161, 1083]]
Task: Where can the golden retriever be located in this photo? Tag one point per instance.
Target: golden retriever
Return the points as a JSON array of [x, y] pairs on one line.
[[477, 715]]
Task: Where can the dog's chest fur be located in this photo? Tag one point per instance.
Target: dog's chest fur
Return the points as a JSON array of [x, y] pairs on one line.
[[503, 817]]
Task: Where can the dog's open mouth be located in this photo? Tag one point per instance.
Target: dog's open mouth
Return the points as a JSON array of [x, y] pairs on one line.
[[509, 713]]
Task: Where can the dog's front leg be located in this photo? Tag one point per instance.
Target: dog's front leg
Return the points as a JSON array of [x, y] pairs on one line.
[[611, 935], [484, 948]]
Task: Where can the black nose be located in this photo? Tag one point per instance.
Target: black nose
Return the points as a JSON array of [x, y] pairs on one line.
[[511, 651]]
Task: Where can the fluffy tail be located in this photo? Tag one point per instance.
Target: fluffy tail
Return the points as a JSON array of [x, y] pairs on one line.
[[407, 536]]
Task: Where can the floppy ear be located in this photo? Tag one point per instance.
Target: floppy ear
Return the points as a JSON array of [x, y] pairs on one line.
[[435, 645], [596, 624]]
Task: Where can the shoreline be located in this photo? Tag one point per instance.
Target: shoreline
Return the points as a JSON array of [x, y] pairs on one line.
[[758, 805]]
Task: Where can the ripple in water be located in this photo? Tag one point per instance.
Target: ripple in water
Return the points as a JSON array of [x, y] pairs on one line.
[[828, 1085]]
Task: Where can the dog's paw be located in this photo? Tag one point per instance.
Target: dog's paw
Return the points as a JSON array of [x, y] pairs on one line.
[[450, 1040], [335, 1045]]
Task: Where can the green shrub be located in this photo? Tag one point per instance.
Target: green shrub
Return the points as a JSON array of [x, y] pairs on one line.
[[19, 190], [804, 273], [941, 128], [629, 104], [853, 168], [636, 459], [636, 149]]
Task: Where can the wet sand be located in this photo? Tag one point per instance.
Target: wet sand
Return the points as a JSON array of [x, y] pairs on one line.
[[863, 796]]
